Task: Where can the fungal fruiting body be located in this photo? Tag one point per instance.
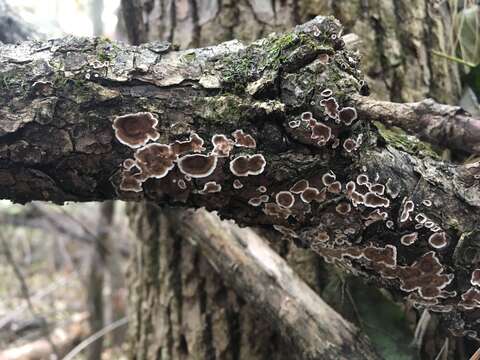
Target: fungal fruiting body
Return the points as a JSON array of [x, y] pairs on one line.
[[246, 165], [244, 140], [197, 165], [135, 130]]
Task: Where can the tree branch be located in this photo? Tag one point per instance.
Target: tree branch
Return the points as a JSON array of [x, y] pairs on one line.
[[375, 205], [265, 280]]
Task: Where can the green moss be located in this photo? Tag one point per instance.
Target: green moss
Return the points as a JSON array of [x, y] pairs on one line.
[[401, 140], [224, 108]]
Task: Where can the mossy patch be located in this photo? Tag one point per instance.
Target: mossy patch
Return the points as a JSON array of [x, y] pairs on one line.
[[399, 139]]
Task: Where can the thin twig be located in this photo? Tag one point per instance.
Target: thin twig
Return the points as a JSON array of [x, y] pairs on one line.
[[25, 291], [94, 337]]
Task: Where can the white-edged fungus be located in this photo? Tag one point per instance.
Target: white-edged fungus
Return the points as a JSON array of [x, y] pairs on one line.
[[409, 239], [438, 240], [237, 184], [262, 189], [294, 124], [155, 160], [246, 165], [343, 208], [210, 187], [309, 194], [475, 279], [285, 199], [197, 165], [193, 144], [222, 146], [299, 186], [348, 115], [306, 116], [331, 107], [407, 209], [328, 178], [135, 130], [244, 140]]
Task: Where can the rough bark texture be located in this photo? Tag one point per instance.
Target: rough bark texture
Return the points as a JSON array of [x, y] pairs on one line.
[[261, 114], [398, 36]]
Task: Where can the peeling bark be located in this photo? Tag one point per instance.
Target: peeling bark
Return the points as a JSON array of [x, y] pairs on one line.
[[57, 143]]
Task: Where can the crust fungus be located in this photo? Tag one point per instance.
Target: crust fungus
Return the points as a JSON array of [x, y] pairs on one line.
[[210, 187], [389, 224], [349, 145], [197, 165], [429, 224], [262, 189], [128, 164], [335, 187], [322, 237], [306, 116], [274, 210], [299, 186], [348, 115], [425, 275], [408, 207], [181, 184], [222, 146], [237, 184], [331, 107], [378, 189], [244, 140], [245, 165], [285, 199], [130, 182], [374, 216], [328, 178], [420, 218], [343, 208], [255, 201], [309, 194], [362, 179], [438, 240], [294, 124], [135, 130], [409, 239], [427, 202], [193, 144], [471, 299], [475, 279], [155, 160], [374, 200], [321, 132], [326, 93]]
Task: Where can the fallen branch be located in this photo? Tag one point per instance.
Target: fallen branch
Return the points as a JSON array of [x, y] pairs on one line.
[[257, 273]]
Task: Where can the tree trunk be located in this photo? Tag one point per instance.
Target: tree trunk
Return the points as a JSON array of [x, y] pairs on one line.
[[397, 60]]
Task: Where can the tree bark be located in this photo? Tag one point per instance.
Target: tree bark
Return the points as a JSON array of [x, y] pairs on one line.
[[245, 98]]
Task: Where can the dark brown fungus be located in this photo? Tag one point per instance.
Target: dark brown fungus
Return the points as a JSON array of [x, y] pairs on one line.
[[299, 186], [343, 208], [374, 216], [130, 182], [237, 184], [349, 145], [331, 107], [409, 239], [362, 179], [135, 130], [306, 116], [475, 279], [321, 132], [193, 144], [245, 165], [408, 207], [128, 164], [348, 115], [197, 165], [255, 201], [222, 146], [438, 240], [335, 187], [155, 160], [374, 200], [285, 199], [210, 187], [378, 189], [244, 140], [309, 194], [420, 218], [389, 224], [328, 178]]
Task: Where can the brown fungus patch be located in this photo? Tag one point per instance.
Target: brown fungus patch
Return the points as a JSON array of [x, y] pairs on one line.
[[237, 184], [129, 164], [246, 165], [328, 178], [155, 160], [349, 145], [374, 200], [135, 130], [407, 209], [438, 240], [244, 140], [348, 115], [409, 239], [285, 199], [475, 278], [193, 144], [222, 146], [130, 182], [276, 211], [343, 208], [309, 194], [320, 132], [299, 186], [210, 187], [335, 187], [331, 107], [197, 165]]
